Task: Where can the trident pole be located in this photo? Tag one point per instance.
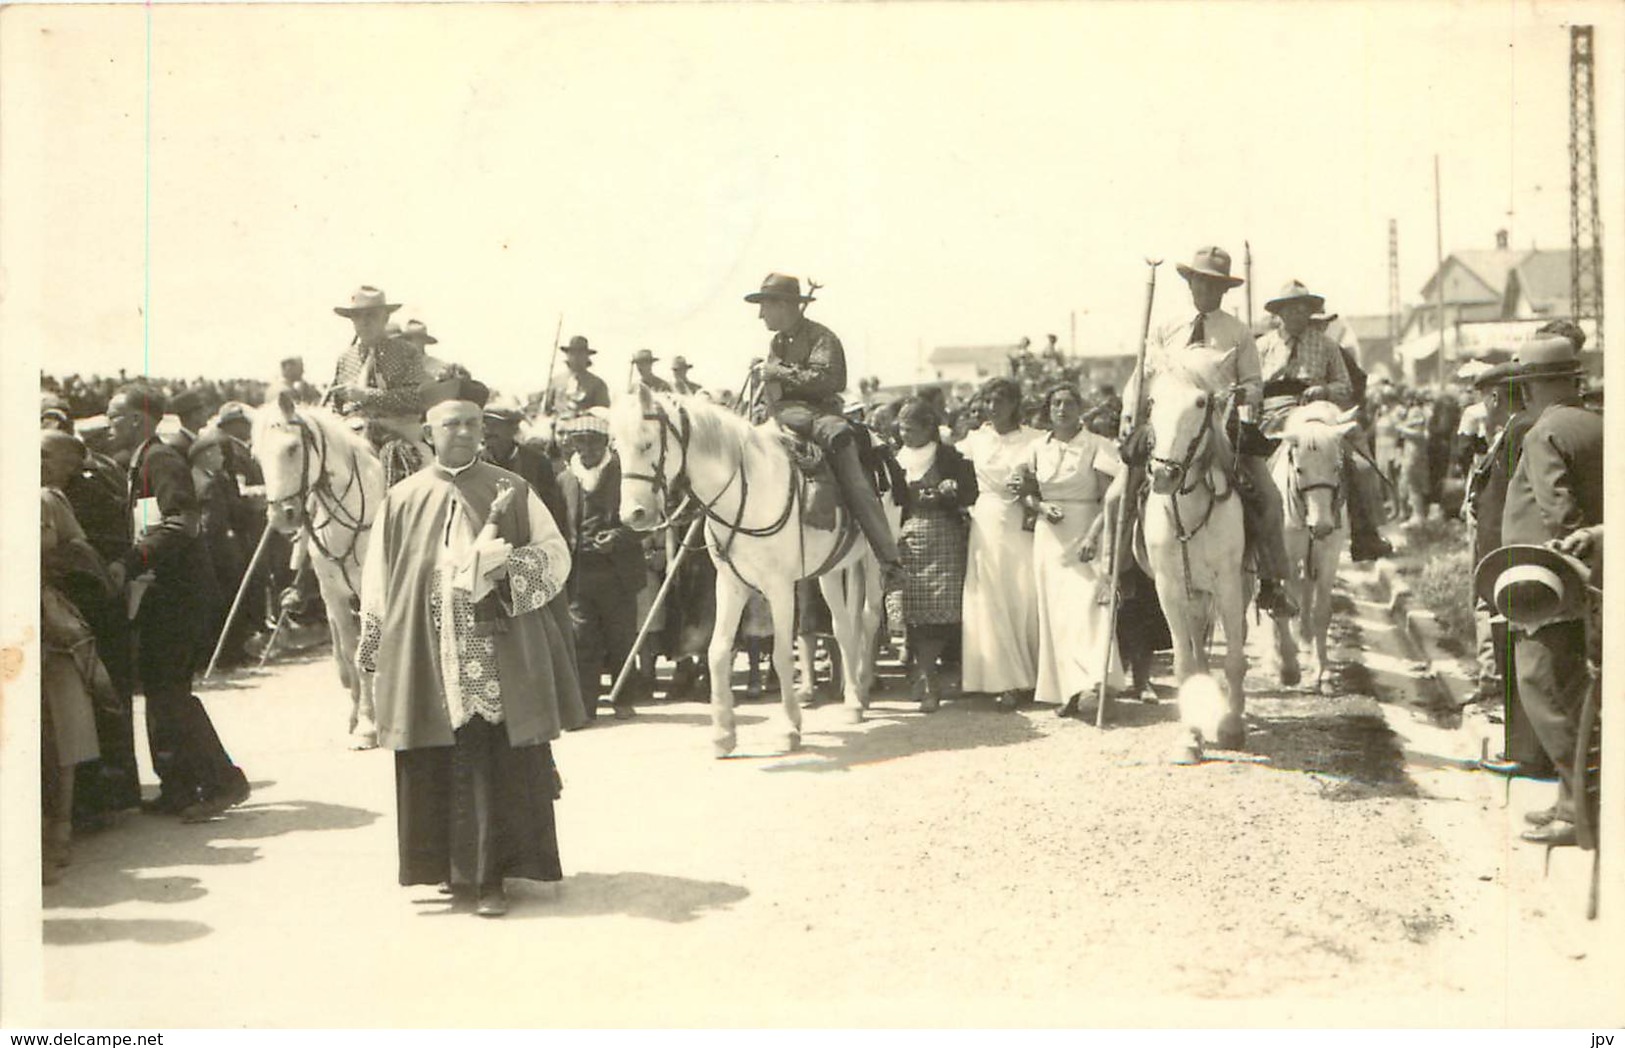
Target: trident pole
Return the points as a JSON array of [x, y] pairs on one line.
[[1247, 248], [1120, 525]]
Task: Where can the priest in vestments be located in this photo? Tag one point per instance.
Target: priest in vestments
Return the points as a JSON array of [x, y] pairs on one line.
[[464, 626]]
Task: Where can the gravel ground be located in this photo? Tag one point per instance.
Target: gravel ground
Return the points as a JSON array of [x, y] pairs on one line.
[[966, 867]]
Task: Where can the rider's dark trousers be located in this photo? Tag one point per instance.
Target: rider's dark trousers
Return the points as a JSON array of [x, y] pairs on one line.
[[859, 496], [1262, 513]]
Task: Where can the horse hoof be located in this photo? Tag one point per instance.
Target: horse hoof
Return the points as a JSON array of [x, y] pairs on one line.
[[1326, 687], [792, 743], [1290, 676], [1186, 753], [1232, 734], [721, 749], [367, 740], [852, 714]]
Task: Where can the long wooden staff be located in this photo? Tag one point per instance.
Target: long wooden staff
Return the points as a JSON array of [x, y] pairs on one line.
[[552, 362], [237, 603], [1120, 525], [683, 550]]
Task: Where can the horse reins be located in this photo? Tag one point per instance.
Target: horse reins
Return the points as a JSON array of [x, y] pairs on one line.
[[1198, 478], [318, 495]]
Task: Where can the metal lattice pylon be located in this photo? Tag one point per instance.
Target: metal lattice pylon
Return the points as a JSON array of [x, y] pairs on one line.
[[1585, 221]]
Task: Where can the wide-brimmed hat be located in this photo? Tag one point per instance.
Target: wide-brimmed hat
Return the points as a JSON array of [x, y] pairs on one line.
[[417, 331], [1293, 291], [1471, 370], [1547, 357], [233, 411], [1496, 375], [1532, 585], [578, 343], [1212, 262], [679, 363], [644, 356], [365, 298], [779, 286]]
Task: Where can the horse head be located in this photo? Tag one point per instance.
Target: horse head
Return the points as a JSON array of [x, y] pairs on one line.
[[653, 449], [1312, 441], [282, 447], [1181, 415]]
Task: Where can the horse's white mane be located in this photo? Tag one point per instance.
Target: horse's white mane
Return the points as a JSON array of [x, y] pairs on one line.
[[714, 430], [1316, 424], [268, 419]]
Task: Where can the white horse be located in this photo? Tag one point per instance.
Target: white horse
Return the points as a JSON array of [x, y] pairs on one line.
[[325, 481], [743, 479], [1307, 470], [1194, 544]]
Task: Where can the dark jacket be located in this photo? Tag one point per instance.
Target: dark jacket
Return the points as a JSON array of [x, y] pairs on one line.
[[537, 468], [1487, 488], [599, 542], [1557, 485], [170, 546], [922, 494]]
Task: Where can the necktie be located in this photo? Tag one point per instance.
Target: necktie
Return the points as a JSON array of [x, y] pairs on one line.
[[1198, 331]]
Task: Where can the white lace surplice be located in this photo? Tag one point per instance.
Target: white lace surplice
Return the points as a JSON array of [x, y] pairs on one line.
[[467, 660]]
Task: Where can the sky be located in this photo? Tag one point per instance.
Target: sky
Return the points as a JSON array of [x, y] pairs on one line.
[[952, 173]]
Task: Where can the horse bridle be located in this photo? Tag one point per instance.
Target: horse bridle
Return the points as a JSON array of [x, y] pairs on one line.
[[319, 495], [1181, 467]]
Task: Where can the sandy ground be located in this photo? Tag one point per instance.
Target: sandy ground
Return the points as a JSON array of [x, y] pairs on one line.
[[966, 867]]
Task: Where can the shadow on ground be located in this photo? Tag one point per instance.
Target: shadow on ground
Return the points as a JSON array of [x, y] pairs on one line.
[[1353, 756], [89, 931], [110, 867], [649, 896], [894, 732]]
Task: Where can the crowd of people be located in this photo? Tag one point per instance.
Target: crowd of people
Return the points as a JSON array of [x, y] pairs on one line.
[[491, 624]]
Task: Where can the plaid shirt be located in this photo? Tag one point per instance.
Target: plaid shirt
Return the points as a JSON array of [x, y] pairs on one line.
[[1310, 357], [392, 390]]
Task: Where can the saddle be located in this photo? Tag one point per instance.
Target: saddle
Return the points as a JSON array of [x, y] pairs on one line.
[[820, 492]]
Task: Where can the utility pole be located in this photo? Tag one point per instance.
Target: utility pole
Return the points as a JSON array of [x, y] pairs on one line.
[[1438, 271], [1393, 282], [1585, 222]]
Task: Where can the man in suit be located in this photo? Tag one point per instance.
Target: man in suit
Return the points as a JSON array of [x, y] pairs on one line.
[[607, 561], [502, 448], [1507, 423], [1555, 490], [643, 361], [167, 567]]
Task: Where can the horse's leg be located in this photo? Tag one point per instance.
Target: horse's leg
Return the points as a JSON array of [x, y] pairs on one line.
[[1187, 746], [807, 659], [1286, 646], [781, 597], [843, 618], [1232, 607], [1321, 622], [731, 597], [344, 627]]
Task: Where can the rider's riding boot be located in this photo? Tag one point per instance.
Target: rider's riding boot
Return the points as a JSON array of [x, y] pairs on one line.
[[1365, 508], [864, 504], [1266, 526]]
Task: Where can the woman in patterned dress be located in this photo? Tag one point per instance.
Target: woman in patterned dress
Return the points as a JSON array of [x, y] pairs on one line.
[[1070, 471], [1000, 618], [941, 484]]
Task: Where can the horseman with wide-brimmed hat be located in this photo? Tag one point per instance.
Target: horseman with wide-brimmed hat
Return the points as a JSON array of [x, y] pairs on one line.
[[800, 385], [1214, 334], [378, 376]]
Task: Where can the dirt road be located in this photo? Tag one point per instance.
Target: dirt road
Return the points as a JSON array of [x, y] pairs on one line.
[[968, 866]]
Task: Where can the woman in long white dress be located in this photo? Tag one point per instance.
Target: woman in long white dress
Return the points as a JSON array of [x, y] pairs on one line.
[[1071, 469], [999, 642]]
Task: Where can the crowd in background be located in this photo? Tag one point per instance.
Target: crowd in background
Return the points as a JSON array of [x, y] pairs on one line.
[[996, 492]]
